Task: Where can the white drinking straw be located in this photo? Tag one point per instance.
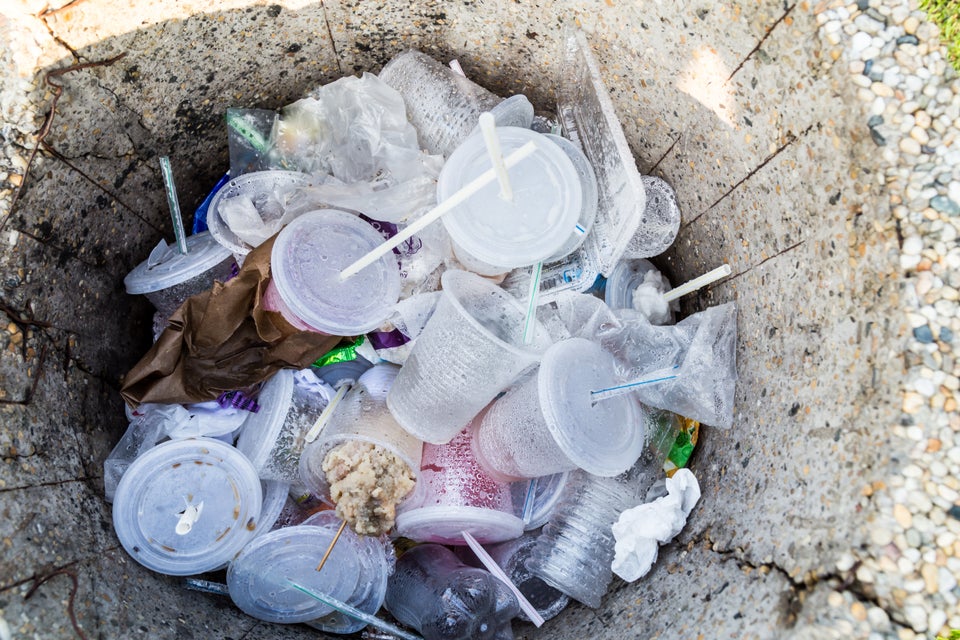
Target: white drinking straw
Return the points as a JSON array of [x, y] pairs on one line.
[[355, 613], [627, 387], [434, 214], [488, 127], [325, 415], [495, 569], [530, 320], [696, 283], [174, 203]]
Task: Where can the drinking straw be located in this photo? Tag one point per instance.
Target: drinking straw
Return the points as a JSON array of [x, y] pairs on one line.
[[532, 303], [627, 387], [174, 204], [434, 214], [333, 542], [696, 283], [528, 501], [188, 517], [488, 127], [457, 69], [325, 415], [236, 122], [495, 569], [355, 613]]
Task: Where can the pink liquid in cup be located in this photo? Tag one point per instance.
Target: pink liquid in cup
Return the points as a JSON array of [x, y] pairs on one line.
[[272, 301]]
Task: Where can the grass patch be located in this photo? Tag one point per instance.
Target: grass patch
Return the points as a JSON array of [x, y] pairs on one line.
[[946, 15]]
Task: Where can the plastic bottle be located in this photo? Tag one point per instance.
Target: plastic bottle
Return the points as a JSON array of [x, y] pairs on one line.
[[444, 599]]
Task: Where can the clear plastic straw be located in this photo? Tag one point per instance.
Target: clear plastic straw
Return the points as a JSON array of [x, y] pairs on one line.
[[355, 613], [528, 501], [530, 320], [697, 283], [495, 569], [174, 203], [325, 414], [488, 127], [437, 212], [627, 387]]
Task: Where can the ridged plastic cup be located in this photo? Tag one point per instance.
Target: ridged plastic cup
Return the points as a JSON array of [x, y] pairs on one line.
[[535, 224], [549, 423], [306, 261], [470, 350]]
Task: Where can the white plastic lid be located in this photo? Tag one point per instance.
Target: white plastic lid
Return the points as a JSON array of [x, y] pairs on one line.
[[257, 578], [444, 525], [588, 182], [250, 185], [306, 262], [262, 429], [547, 199], [605, 438], [167, 267], [187, 506]]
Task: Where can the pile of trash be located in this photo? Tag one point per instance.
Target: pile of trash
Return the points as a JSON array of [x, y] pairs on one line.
[[413, 358]]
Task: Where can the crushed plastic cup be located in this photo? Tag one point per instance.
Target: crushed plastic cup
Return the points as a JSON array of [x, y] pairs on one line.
[[187, 506], [167, 277], [443, 105], [549, 422], [457, 496], [306, 288], [535, 224], [470, 350]]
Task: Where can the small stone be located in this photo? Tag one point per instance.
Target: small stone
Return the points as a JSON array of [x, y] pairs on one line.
[[910, 25], [920, 135], [916, 617], [902, 515], [946, 335], [923, 334], [835, 599], [954, 512], [881, 537], [860, 42], [943, 204], [878, 618], [858, 611], [909, 145], [908, 39], [930, 576]]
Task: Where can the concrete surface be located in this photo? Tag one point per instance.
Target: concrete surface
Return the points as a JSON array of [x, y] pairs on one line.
[[773, 170]]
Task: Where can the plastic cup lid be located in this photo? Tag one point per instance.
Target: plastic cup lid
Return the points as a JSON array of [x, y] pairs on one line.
[[257, 578], [167, 267], [378, 379], [605, 438], [307, 258], [262, 429], [588, 182], [545, 208], [444, 525], [249, 184], [275, 496], [187, 506]]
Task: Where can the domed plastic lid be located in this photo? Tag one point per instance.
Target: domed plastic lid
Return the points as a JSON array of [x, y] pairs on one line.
[[547, 199], [187, 506], [588, 182], [444, 525], [262, 429], [166, 266], [258, 578], [605, 438], [306, 262], [258, 184]]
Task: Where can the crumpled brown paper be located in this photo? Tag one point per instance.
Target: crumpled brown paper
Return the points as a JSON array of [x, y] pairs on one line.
[[223, 340]]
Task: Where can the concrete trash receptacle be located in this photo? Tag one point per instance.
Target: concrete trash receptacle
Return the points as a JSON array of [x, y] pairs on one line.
[[791, 159]]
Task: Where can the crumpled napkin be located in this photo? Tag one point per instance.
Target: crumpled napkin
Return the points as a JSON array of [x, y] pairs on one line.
[[639, 531]]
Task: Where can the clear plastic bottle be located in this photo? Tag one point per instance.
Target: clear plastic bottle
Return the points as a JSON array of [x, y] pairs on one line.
[[444, 599], [575, 549]]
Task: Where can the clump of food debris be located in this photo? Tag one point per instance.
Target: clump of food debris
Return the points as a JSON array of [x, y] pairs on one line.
[[366, 483]]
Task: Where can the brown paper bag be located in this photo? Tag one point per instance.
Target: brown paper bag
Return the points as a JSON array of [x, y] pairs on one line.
[[223, 340]]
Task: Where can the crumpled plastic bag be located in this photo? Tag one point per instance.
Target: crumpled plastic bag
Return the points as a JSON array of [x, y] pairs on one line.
[[700, 351], [640, 530], [355, 131]]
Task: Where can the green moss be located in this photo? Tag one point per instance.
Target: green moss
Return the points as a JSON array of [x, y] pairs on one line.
[[946, 15]]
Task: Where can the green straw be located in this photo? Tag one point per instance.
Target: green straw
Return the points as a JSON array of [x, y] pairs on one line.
[[532, 303], [174, 203], [236, 122], [355, 613]]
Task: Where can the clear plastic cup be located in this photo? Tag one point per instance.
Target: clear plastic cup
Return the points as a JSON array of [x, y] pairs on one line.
[[458, 495], [273, 438], [258, 578], [362, 415], [623, 281], [470, 350], [187, 506], [549, 423], [167, 278], [443, 105], [588, 185], [546, 494], [306, 261], [270, 192], [546, 205]]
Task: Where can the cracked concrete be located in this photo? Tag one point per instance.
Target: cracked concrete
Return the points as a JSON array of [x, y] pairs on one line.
[[774, 173]]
